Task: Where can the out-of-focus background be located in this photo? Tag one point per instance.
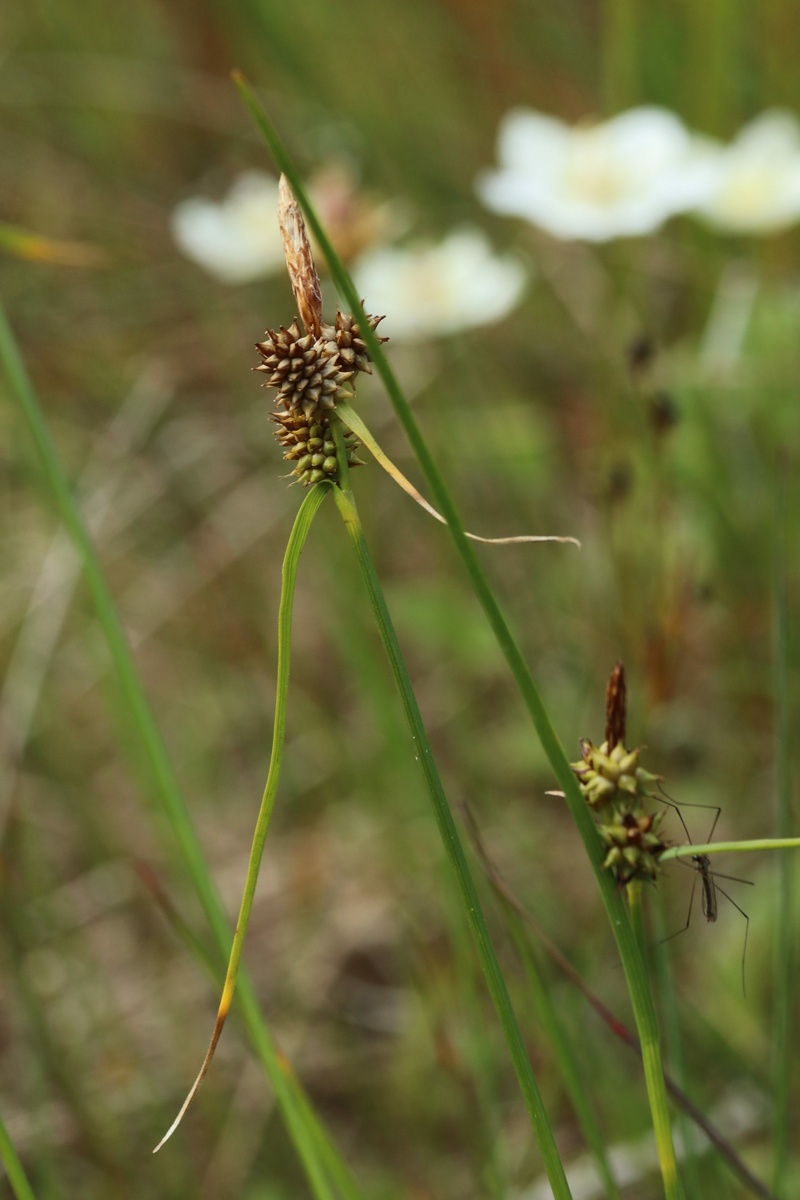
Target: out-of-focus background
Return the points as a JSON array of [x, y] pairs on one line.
[[637, 392]]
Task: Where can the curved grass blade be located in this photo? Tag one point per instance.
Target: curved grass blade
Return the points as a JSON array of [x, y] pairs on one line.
[[354, 423], [305, 515], [308, 1136], [632, 962]]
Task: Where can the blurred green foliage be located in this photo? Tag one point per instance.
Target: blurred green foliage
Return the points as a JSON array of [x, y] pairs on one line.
[[669, 475]]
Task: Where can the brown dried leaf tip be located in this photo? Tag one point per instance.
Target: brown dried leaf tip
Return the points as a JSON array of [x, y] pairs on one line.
[[310, 370], [299, 259]]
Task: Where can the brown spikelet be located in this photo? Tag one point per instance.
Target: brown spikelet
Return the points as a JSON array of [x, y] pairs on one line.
[[306, 371], [346, 335], [615, 707], [299, 261], [311, 369]]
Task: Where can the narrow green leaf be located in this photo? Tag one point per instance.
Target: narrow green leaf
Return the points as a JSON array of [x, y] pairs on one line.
[[305, 515]]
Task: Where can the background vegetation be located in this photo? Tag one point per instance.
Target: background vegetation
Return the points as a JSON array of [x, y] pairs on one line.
[[677, 478]]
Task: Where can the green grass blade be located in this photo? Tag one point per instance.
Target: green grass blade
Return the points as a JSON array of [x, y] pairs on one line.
[[14, 1168], [305, 1133], [305, 515], [784, 934], [688, 849], [632, 963], [451, 840]]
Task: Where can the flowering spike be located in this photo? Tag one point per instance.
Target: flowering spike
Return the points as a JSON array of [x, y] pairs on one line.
[[615, 706]]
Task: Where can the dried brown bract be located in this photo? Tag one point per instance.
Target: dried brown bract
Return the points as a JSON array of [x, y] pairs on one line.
[[299, 259]]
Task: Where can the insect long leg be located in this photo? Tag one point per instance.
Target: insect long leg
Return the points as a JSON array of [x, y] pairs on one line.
[[747, 921], [683, 928], [665, 798]]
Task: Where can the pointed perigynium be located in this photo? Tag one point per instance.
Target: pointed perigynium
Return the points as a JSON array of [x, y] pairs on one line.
[[310, 374], [309, 444], [634, 845], [611, 776], [347, 338], [307, 372]]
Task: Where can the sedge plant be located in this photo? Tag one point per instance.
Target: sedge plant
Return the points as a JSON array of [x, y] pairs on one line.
[[311, 368], [630, 952], [632, 834]]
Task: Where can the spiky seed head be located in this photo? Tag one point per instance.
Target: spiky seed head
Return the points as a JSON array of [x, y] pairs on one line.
[[308, 443], [634, 845], [306, 371], [611, 774], [346, 336]]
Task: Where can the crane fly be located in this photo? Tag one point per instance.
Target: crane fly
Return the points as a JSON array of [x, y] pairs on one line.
[[701, 865]]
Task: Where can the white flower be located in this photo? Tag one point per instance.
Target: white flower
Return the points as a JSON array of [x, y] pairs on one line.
[[621, 178], [428, 290], [758, 177], [238, 239]]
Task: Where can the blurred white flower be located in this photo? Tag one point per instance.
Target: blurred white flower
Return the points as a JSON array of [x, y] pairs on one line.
[[237, 239], [432, 290], [757, 177], [621, 178]]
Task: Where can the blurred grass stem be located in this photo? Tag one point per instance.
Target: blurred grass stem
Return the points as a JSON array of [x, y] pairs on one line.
[[15, 1171], [784, 932]]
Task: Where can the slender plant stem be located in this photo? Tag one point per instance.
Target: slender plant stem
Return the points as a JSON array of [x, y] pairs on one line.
[[449, 833], [635, 908], [14, 1168], [676, 1058], [303, 1130], [689, 850], [632, 962]]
